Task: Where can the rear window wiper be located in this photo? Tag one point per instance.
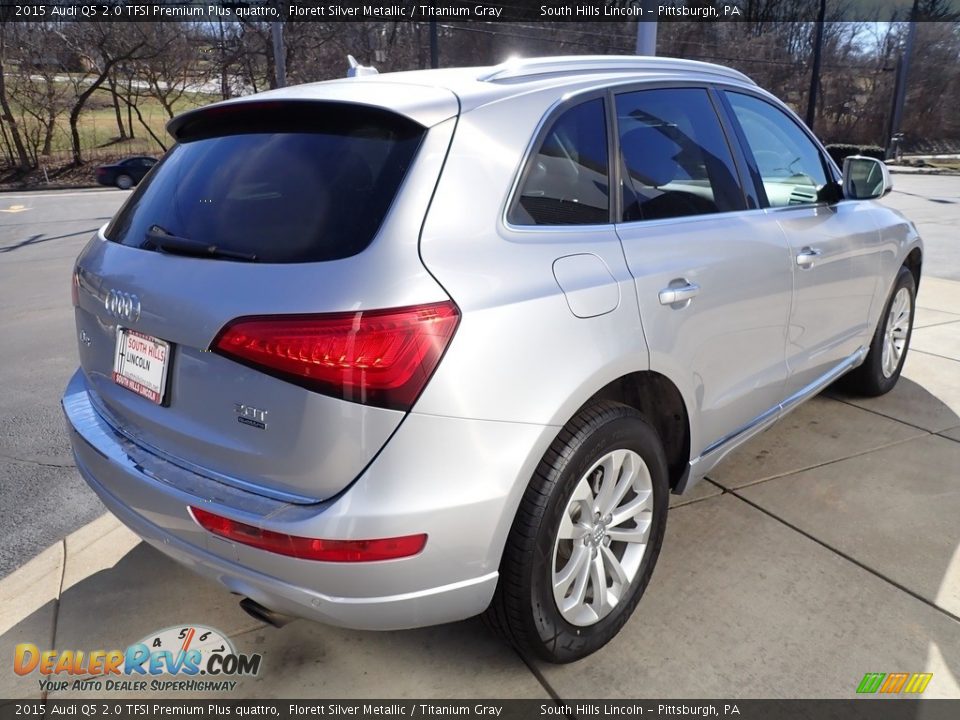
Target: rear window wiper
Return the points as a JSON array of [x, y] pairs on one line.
[[158, 237]]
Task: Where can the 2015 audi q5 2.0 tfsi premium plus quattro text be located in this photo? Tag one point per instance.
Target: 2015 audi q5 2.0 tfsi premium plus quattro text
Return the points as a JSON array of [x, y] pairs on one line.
[[400, 349]]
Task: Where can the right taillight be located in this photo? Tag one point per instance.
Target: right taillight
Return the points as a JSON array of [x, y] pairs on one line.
[[374, 357]]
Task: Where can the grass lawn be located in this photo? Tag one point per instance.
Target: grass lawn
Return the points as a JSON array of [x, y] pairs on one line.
[[99, 134], [953, 164]]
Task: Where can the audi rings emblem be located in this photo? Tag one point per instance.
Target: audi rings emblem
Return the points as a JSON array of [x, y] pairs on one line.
[[123, 306]]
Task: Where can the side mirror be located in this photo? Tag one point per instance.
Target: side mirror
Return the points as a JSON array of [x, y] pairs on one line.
[[865, 178]]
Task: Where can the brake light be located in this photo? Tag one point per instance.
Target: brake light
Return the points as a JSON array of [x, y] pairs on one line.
[[374, 357], [75, 288], [305, 548]]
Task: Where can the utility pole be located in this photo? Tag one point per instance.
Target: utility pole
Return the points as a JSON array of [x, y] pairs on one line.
[[647, 29], [434, 45], [815, 70], [279, 54], [900, 82]]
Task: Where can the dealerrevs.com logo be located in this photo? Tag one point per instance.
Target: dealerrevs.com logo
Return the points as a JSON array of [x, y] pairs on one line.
[[198, 658]]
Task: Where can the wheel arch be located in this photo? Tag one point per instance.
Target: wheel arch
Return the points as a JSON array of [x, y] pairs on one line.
[[914, 262], [662, 404]]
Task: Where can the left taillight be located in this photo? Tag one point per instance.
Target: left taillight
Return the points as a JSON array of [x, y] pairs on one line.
[[75, 288], [374, 357], [305, 548]]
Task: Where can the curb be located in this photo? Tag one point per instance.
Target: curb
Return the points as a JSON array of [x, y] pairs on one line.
[[41, 188]]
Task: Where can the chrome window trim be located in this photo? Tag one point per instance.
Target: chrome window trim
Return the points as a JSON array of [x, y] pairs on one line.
[[565, 102], [688, 219], [607, 91]]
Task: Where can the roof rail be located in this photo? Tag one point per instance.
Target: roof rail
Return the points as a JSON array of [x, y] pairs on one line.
[[518, 68]]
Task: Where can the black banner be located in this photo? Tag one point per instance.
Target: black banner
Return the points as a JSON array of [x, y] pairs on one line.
[[854, 709], [465, 10]]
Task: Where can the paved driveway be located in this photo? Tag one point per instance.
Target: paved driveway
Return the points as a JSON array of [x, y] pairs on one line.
[[825, 548]]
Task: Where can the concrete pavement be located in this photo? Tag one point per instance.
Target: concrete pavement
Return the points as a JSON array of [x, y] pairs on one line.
[[933, 203], [41, 497], [826, 548]]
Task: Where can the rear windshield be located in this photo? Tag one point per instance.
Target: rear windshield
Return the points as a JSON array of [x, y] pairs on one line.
[[284, 183]]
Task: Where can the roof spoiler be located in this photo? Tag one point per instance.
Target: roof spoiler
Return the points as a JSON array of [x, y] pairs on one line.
[[358, 70]]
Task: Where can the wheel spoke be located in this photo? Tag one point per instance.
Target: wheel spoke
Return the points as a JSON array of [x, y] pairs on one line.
[[633, 470], [630, 509], [615, 569], [570, 530], [897, 308], [579, 592], [613, 469], [571, 570], [598, 581], [900, 324], [636, 534]]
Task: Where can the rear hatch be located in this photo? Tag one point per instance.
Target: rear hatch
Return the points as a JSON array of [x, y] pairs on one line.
[[301, 219]]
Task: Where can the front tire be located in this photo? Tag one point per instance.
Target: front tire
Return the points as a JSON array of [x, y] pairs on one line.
[[888, 350], [586, 536]]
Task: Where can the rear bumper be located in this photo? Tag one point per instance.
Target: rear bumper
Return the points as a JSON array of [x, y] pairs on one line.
[[457, 480]]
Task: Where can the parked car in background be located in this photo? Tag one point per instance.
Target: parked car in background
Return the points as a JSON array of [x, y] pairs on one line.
[[126, 173], [401, 349]]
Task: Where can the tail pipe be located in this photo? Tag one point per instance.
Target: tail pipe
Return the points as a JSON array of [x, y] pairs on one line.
[[258, 611]]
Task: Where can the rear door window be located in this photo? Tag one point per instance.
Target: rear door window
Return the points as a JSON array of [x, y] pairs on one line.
[[674, 154], [301, 182], [567, 181]]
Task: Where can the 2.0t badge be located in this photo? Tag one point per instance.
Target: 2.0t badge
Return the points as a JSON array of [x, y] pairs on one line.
[[249, 415]]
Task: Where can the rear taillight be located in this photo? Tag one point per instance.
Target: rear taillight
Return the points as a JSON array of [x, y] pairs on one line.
[[75, 288], [374, 357], [309, 548]]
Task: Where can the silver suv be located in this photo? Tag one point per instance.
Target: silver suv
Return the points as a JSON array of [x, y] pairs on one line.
[[397, 350]]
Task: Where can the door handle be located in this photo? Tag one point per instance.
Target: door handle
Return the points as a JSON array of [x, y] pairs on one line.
[[679, 293], [807, 256]]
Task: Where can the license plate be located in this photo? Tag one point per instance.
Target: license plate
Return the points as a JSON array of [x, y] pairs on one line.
[[140, 364]]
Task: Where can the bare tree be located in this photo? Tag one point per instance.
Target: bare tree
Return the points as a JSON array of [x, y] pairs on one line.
[[176, 67], [10, 122], [101, 47]]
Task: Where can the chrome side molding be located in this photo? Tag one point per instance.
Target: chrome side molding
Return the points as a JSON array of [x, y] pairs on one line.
[[716, 451]]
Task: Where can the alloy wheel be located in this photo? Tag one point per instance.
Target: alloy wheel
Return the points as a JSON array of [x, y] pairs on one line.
[[602, 537], [896, 331]]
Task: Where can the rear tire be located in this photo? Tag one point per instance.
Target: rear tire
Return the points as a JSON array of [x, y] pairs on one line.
[[124, 182], [586, 536], [888, 350]]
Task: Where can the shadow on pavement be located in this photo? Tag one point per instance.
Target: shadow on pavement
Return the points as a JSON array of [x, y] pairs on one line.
[[145, 592], [38, 239], [741, 604]]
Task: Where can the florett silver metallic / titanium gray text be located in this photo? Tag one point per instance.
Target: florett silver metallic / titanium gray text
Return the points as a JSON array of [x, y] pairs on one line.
[[401, 349]]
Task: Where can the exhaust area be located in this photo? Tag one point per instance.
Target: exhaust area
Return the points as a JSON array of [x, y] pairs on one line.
[[258, 611]]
